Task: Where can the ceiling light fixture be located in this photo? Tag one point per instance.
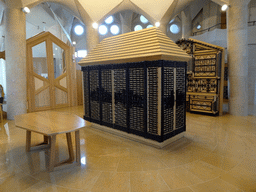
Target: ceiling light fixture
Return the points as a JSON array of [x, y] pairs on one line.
[[224, 7], [95, 25], [26, 10], [157, 24]]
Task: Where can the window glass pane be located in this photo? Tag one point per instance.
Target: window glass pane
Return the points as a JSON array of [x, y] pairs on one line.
[[114, 29], [174, 28], [137, 27], [143, 19], [103, 30], [40, 60], [82, 53], [79, 30], [58, 60], [109, 20]]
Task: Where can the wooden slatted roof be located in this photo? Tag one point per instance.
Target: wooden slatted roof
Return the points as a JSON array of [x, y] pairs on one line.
[[143, 45]]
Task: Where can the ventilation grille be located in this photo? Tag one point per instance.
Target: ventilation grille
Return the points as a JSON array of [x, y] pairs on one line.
[[136, 99], [168, 99], [120, 97], [153, 100]]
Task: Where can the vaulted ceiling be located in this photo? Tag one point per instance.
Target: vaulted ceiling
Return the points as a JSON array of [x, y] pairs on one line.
[[96, 10]]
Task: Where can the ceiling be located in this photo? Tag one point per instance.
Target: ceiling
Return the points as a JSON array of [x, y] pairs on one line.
[[96, 10]]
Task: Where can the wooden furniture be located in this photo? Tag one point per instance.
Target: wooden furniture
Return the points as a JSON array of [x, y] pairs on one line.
[[50, 124], [205, 81], [51, 73], [136, 83], [2, 55], [1, 111]]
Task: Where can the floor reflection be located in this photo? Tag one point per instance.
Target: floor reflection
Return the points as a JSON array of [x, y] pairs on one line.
[[217, 153]]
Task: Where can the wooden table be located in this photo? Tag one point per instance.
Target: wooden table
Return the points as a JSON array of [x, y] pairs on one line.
[[50, 124]]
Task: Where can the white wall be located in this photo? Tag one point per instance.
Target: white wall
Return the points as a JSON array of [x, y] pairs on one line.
[[252, 10], [252, 69]]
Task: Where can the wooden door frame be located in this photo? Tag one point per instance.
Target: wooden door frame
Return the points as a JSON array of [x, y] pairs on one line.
[[49, 39]]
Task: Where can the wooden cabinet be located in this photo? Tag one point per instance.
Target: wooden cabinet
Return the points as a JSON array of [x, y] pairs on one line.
[[49, 72], [205, 80]]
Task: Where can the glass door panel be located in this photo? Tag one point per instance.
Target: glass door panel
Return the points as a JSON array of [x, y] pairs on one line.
[[60, 75], [40, 60], [58, 60], [40, 76]]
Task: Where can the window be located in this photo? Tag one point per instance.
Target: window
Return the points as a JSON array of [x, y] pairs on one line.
[[109, 20], [137, 27], [79, 30], [140, 22], [143, 19], [82, 53], [103, 29], [174, 29], [110, 26], [114, 29]]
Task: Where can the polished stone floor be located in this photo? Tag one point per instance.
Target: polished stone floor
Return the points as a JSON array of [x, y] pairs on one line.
[[217, 154]]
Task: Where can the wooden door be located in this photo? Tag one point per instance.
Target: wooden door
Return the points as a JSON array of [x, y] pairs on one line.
[[47, 73]]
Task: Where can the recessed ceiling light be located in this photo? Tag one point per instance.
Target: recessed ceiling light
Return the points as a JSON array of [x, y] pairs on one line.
[[224, 7], [157, 24], [26, 10], [95, 25]]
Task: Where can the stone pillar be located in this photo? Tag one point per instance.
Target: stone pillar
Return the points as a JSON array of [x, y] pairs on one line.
[[237, 18], [15, 52], [186, 24], [126, 21], [163, 27], [92, 38]]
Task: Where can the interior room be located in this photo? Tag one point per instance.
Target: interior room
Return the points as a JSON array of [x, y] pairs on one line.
[[47, 60]]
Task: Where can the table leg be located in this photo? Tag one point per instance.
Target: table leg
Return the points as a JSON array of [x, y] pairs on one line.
[[28, 140], [70, 147], [1, 110], [78, 155], [52, 152]]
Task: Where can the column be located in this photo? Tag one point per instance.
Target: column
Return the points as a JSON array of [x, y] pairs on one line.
[[163, 27], [126, 21], [186, 23], [92, 38], [237, 20], [15, 52]]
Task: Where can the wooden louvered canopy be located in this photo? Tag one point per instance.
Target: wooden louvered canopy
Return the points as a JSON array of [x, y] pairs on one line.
[[143, 45]]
